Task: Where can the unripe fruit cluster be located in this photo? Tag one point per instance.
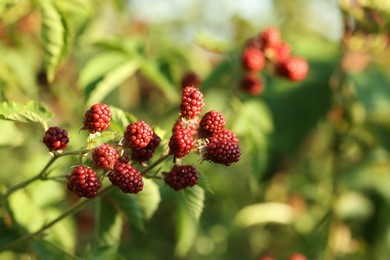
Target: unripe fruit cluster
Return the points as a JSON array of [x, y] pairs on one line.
[[204, 135], [267, 49]]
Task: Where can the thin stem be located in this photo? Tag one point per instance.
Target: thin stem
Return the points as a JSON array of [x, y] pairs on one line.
[[41, 174], [73, 209], [150, 167]]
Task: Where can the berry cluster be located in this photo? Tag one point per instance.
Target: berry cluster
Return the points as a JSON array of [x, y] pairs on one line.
[[207, 136], [268, 49]]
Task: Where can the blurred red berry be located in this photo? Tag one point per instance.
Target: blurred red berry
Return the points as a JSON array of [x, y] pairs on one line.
[[270, 37], [190, 79], [252, 84], [294, 68], [253, 59]]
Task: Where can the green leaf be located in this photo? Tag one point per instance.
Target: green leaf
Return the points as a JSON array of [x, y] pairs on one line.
[[56, 37], [103, 253], [109, 224], [149, 198], [129, 206], [204, 183], [120, 119], [32, 112], [112, 80], [150, 70], [193, 199], [97, 67], [186, 228]]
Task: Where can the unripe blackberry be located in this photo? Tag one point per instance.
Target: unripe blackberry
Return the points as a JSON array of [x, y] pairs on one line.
[[181, 143], [281, 51], [144, 154], [55, 139], [252, 84], [212, 122], [270, 37], [97, 118], [191, 126], [225, 134], [297, 256], [181, 177], [127, 178], [84, 182], [253, 59], [105, 156], [222, 151], [138, 134], [293, 68], [192, 102], [190, 79]]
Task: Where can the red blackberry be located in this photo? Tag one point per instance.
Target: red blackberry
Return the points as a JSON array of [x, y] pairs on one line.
[[297, 256], [252, 84], [253, 59], [138, 134], [294, 68], [212, 122], [192, 102], [269, 37], [225, 134], [188, 125], [281, 51], [181, 143], [84, 182], [105, 156], [181, 177], [127, 178], [190, 79], [144, 154], [56, 139], [254, 42], [222, 151], [97, 118]]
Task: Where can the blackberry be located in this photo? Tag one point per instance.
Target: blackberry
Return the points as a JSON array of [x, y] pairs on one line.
[[222, 151], [84, 182], [190, 79], [181, 177], [181, 143], [192, 102], [97, 118], [144, 154], [281, 51], [124, 158], [225, 134], [127, 178], [252, 84], [253, 59], [293, 68], [55, 139], [212, 122], [138, 134], [191, 126], [269, 37], [105, 156]]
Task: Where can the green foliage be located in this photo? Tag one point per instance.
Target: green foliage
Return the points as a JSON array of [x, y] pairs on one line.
[[313, 175]]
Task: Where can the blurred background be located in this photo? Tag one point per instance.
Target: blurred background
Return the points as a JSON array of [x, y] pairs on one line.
[[314, 175]]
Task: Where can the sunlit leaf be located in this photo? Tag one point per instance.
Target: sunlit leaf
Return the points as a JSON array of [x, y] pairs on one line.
[[151, 71], [204, 183], [11, 135], [56, 37], [32, 112], [120, 119], [112, 80], [186, 229], [149, 199], [263, 213], [193, 199]]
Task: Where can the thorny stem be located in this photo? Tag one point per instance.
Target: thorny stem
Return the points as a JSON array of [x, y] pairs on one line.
[[74, 208], [42, 175]]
